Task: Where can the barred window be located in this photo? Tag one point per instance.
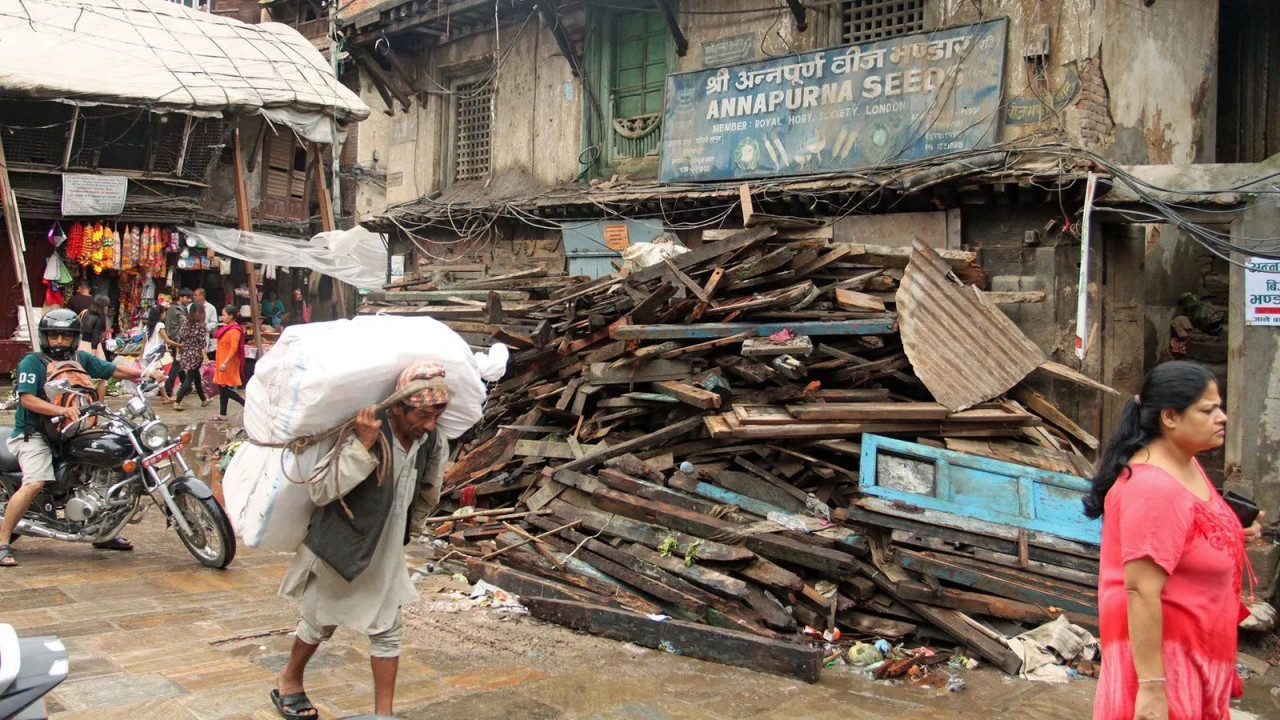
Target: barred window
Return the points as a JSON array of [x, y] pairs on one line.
[[472, 127], [863, 21]]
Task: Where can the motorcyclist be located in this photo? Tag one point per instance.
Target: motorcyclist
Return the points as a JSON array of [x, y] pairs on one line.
[[59, 334]]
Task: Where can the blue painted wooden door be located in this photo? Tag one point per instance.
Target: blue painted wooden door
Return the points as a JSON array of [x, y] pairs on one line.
[[977, 487], [585, 248]]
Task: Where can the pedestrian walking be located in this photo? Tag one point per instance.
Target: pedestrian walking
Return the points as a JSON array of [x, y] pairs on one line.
[[350, 569], [1172, 556], [154, 347], [193, 340], [174, 320], [229, 358]]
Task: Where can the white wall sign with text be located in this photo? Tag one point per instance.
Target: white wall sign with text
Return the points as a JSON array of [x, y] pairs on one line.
[[93, 194]]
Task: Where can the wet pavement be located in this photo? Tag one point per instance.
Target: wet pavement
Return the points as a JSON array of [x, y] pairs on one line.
[[152, 634]]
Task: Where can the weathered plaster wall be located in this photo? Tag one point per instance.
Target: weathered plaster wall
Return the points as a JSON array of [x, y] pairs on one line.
[[1160, 65], [1253, 395]]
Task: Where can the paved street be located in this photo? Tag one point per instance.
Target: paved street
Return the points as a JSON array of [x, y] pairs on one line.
[[154, 635]]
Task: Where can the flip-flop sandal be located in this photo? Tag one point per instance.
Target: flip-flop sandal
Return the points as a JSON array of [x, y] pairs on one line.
[[119, 543], [6, 557], [294, 705]]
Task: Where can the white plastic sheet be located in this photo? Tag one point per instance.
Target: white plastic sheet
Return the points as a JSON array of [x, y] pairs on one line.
[[356, 256]]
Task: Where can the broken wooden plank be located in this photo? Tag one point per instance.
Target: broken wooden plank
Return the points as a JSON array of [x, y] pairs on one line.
[[1062, 372], [858, 302], [776, 547], [870, 411], [729, 647], [764, 347], [706, 577], [689, 394], [898, 257], [646, 534], [649, 371], [866, 326], [1040, 405], [708, 345], [525, 584], [650, 440]]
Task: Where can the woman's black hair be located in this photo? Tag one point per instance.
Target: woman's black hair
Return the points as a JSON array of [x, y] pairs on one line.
[[101, 304], [233, 311], [1173, 385], [153, 318]]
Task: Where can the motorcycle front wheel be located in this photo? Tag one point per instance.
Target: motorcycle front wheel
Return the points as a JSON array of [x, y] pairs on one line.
[[211, 540]]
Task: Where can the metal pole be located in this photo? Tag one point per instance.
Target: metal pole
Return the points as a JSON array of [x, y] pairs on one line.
[[17, 244]]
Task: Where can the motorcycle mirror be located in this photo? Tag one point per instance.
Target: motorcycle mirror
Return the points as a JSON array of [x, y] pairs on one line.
[[57, 387]]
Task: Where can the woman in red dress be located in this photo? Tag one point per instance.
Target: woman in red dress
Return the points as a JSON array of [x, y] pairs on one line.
[[1172, 553]]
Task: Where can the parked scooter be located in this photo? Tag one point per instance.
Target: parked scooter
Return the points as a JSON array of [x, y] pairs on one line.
[[29, 669]]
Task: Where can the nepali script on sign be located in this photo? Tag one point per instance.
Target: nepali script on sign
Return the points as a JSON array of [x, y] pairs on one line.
[[1262, 292], [888, 101]]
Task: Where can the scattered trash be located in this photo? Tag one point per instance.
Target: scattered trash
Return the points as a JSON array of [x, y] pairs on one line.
[[955, 683], [666, 646], [883, 646], [1262, 618], [864, 654], [497, 598], [1046, 650], [659, 618], [831, 635]]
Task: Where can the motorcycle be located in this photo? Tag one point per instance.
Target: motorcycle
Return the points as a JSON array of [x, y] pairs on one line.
[[105, 463], [29, 669]]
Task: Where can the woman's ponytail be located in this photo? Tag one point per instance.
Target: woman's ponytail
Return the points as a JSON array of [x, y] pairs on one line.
[[1129, 438]]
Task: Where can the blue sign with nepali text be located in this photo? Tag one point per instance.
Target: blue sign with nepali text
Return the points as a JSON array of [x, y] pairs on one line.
[[883, 102]]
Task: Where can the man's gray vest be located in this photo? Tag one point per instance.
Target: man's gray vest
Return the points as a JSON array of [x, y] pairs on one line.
[[347, 544]]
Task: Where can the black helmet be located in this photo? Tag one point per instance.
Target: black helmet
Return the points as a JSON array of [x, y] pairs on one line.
[[59, 321]]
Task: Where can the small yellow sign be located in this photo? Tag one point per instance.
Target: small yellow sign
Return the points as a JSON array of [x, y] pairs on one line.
[[616, 237]]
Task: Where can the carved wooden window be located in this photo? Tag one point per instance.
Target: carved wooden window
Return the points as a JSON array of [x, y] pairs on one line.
[[863, 21], [472, 145]]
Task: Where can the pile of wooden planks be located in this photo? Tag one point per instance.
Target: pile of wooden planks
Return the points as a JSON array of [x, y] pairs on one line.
[[685, 441]]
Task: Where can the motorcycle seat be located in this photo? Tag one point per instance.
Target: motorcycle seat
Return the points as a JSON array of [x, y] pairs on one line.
[[8, 463]]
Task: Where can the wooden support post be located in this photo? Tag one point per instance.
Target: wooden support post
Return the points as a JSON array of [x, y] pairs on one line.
[[17, 243], [327, 222], [673, 24], [797, 9], [245, 220]]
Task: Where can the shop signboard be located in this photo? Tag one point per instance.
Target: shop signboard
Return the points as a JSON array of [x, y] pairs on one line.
[[883, 102], [1262, 292], [84, 194]]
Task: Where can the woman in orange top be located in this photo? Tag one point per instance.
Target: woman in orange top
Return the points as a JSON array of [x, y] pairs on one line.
[[229, 359]]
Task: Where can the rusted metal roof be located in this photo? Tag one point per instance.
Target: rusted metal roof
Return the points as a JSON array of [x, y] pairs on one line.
[[961, 346]]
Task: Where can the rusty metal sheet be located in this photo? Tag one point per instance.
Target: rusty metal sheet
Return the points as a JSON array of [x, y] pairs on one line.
[[961, 346]]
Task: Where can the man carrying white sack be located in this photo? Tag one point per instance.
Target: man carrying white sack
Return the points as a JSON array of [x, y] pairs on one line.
[[350, 570]]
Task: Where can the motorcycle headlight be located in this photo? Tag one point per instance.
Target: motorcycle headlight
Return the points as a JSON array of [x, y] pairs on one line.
[[155, 435]]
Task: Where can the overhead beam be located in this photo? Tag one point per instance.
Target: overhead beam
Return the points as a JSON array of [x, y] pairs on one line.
[[382, 80], [673, 24], [797, 9]]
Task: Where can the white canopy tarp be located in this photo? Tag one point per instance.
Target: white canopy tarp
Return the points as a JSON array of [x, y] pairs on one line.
[[166, 57], [356, 256]]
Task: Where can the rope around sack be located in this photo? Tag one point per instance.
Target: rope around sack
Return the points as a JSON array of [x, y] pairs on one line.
[[328, 464]]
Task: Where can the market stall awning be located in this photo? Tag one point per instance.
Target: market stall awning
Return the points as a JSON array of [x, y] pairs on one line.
[[161, 55]]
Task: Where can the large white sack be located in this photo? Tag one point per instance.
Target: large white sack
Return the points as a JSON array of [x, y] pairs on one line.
[[319, 375], [267, 509]]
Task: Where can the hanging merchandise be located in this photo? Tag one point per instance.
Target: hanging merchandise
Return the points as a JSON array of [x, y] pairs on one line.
[[55, 271], [56, 235], [75, 242]]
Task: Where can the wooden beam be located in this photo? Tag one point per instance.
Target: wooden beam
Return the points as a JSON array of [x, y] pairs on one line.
[[673, 24], [798, 12], [381, 80], [868, 326], [701, 642], [1040, 405], [245, 220], [641, 443], [689, 394]]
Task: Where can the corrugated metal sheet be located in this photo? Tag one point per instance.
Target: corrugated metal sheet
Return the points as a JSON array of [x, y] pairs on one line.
[[961, 346]]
